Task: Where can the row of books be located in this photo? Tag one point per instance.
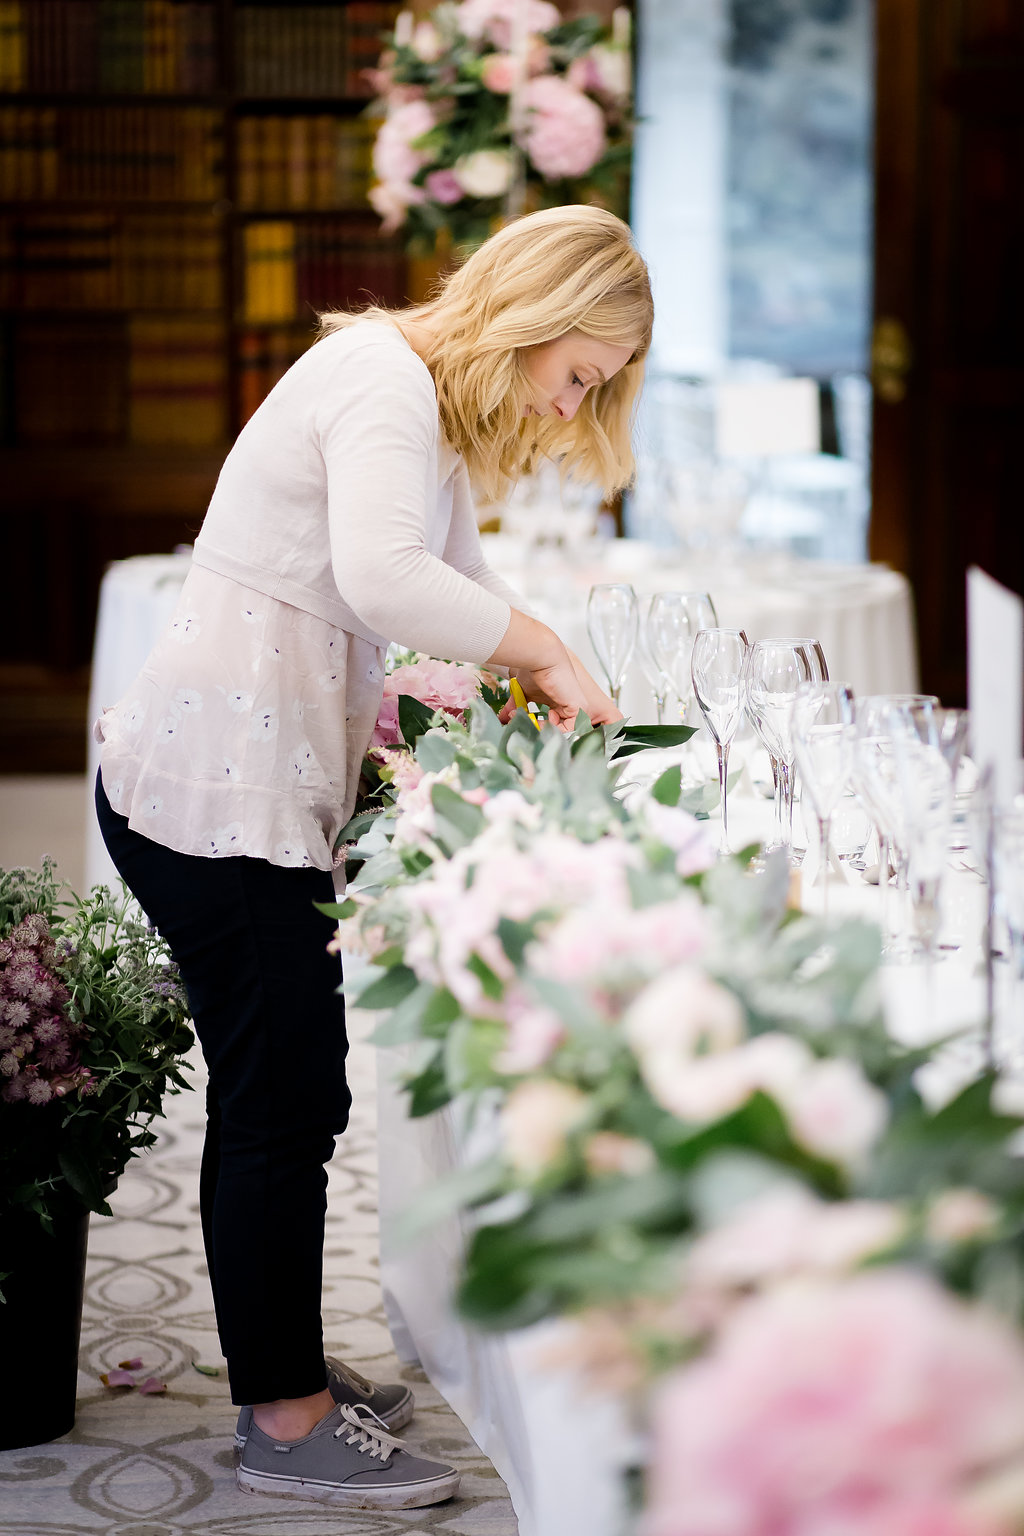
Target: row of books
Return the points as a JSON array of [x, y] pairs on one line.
[[291, 271], [108, 45], [146, 381], [264, 355], [304, 162], [310, 50], [109, 262], [149, 154]]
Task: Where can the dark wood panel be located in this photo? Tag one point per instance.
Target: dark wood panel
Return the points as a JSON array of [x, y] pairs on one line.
[[949, 257]]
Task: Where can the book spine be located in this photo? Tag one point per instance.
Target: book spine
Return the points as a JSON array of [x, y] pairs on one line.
[[13, 52]]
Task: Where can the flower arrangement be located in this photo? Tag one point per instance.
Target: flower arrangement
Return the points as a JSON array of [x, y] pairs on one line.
[[496, 107], [93, 1019], [792, 1246]]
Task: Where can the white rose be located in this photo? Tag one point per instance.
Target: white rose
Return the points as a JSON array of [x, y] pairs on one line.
[[486, 172], [684, 1029], [835, 1112], [960, 1215], [535, 1120], [426, 42]]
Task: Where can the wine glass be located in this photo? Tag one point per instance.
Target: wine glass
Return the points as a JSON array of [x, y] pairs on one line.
[[658, 681], [672, 622], [612, 627], [823, 730], [716, 670], [776, 668], [875, 772]]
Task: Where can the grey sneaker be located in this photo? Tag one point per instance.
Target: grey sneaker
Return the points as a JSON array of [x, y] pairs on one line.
[[391, 1402], [346, 1459]]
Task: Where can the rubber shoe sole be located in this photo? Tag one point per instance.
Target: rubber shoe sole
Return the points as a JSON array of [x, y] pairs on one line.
[[397, 1419], [351, 1496]]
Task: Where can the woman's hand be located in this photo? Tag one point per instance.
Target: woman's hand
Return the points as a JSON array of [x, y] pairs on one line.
[[601, 709], [557, 686]]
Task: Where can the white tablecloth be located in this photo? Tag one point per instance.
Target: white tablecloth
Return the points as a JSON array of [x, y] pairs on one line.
[[560, 1452], [862, 614], [137, 599]]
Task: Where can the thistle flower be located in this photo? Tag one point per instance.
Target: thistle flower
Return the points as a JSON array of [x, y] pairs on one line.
[[49, 1028], [20, 979], [9, 1064], [39, 1091], [41, 990]]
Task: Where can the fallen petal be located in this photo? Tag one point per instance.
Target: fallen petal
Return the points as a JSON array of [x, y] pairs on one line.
[[118, 1378], [129, 1365], [151, 1385]]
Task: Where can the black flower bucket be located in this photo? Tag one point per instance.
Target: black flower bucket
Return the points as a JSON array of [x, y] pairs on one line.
[[40, 1322]]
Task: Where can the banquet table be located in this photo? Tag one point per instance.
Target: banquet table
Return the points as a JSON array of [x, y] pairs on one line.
[[560, 1451], [862, 614]]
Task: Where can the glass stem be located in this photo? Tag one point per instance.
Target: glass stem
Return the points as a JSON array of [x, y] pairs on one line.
[[824, 833], [777, 838], [723, 770], [659, 704], [786, 784]]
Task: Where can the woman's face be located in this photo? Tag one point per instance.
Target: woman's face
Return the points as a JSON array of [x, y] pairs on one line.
[[561, 372]]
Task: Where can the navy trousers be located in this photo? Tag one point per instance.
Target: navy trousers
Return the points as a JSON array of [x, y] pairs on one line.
[[252, 951]]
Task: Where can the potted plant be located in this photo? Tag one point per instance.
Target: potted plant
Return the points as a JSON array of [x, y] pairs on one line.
[[93, 1020]]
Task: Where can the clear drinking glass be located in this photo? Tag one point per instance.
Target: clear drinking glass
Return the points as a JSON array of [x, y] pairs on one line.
[[672, 622], [876, 778], [776, 668], [823, 731], [612, 621], [716, 670], [1008, 900]]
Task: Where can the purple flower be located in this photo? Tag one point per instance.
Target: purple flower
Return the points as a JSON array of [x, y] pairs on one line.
[[55, 1057], [14, 1090], [17, 1013], [20, 979], [9, 1064], [7, 1036], [41, 990], [444, 187], [49, 1027], [39, 1091]]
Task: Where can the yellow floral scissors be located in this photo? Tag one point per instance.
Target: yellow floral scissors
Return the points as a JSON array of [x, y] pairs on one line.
[[519, 698]]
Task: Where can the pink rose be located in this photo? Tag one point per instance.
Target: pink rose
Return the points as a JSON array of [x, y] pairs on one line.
[[391, 200], [602, 71], [501, 73], [564, 130], [394, 158], [444, 187], [868, 1407], [500, 20], [534, 1033]]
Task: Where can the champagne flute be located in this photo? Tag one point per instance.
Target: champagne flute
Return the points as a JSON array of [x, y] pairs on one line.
[[776, 668], [673, 621], [612, 627], [823, 730], [658, 681], [716, 671]]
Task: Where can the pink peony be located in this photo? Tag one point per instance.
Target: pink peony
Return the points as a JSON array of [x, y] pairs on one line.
[[564, 130], [394, 158], [868, 1407], [500, 20], [602, 71], [534, 1034], [444, 187]]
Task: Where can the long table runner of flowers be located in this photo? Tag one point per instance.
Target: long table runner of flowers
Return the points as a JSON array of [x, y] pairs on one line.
[[804, 1274]]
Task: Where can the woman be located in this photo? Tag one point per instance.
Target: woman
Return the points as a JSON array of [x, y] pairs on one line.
[[342, 519]]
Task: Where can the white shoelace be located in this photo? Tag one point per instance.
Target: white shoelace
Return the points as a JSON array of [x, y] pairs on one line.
[[366, 1432]]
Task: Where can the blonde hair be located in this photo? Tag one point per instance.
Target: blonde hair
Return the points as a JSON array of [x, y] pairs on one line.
[[571, 268]]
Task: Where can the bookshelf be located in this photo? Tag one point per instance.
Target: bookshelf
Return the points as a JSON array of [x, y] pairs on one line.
[[182, 185]]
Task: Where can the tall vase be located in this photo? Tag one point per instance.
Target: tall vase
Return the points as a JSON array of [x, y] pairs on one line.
[[40, 1323]]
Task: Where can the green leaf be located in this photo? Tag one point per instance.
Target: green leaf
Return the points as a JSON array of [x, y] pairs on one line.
[[436, 751], [428, 1090], [337, 909], [667, 788], [206, 1370], [467, 819], [414, 718], [514, 938], [627, 739], [405, 1021], [492, 985], [83, 1178], [391, 988]]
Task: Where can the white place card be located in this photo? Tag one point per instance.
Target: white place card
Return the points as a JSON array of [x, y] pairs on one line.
[[755, 418], [995, 677]]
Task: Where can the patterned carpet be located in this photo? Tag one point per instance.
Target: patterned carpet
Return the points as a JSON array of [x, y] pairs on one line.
[[164, 1465]]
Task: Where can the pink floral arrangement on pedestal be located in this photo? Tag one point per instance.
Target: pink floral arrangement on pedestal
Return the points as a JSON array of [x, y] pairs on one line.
[[496, 107]]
